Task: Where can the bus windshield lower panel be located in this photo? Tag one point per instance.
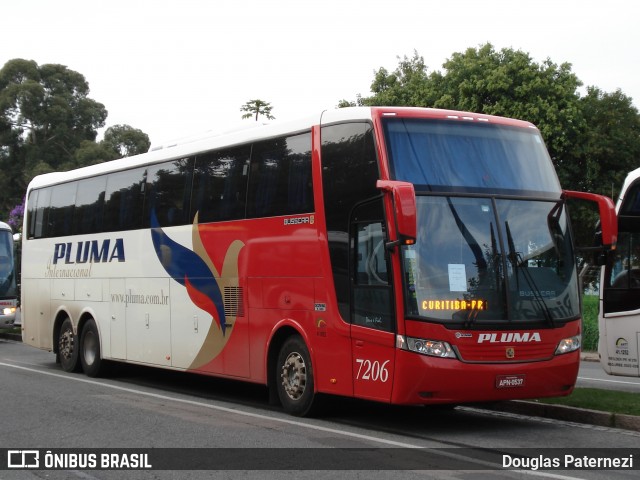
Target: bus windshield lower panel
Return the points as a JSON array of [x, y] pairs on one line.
[[482, 261]]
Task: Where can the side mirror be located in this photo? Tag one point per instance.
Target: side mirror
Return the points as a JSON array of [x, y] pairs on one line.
[[404, 203], [608, 218]]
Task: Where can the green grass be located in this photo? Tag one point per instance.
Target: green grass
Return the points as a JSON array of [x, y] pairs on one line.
[[590, 323], [603, 400]]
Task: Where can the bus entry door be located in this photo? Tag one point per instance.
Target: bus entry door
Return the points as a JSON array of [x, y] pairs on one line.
[[373, 325]]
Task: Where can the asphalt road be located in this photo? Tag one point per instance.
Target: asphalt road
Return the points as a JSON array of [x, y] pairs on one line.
[[592, 375], [142, 408]]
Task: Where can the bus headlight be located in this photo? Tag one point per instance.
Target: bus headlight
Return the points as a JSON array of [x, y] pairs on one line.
[[433, 348], [9, 311], [568, 345]]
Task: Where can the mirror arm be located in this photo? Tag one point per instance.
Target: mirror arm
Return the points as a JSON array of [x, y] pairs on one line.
[[391, 246]]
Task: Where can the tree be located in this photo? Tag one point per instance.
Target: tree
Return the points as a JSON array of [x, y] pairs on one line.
[[45, 115], [255, 108], [15, 217], [506, 83], [609, 144], [119, 141], [126, 140], [92, 153], [407, 85], [49, 123]]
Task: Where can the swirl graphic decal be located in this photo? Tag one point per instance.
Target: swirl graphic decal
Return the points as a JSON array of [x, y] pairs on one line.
[[195, 270]]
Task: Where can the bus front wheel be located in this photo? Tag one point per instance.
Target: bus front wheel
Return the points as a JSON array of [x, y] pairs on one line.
[[90, 350], [68, 347], [295, 377]]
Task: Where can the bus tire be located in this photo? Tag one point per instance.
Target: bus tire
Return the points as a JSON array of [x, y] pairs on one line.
[[68, 347], [294, 377], [92, 363]]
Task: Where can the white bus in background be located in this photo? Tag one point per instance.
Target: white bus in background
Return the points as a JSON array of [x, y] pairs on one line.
[[619, 312], [8, 289]]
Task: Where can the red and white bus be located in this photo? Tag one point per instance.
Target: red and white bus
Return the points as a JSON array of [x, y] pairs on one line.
[[403, 255]]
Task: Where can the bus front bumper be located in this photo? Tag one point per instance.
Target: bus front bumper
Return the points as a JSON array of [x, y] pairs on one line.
[[440, 381]]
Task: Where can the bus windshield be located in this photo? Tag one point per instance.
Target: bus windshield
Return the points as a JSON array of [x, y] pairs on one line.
[[487, 261], [493, 243]]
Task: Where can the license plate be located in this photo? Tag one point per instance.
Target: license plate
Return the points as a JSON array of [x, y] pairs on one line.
[[510, 381]]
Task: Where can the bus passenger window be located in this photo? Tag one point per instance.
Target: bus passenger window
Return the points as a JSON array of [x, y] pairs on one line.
[[167, 192], [89, 205], [123, 200], [280, 177], [220, 185], [38, 212], [63, 199]]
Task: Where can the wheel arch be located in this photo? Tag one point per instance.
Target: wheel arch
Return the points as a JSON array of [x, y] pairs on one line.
[[280, 334], [82, 321]]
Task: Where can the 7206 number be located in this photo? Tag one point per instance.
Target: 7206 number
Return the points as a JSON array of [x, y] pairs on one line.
[[372, 370]]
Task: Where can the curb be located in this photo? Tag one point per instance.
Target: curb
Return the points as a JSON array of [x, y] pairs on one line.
[[568, 414], [589, 356], [16, 337]]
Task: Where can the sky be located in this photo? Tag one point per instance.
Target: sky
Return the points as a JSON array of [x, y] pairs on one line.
[[176, 68]]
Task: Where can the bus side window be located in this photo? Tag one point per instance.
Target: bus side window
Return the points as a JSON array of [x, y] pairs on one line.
[[167, 192], [220, 185], [124, 200], [89, 205], [280, 177], [63, 201], [38, 211]]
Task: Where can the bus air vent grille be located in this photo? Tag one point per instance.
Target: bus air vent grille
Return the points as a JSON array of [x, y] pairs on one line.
[[233, 304]]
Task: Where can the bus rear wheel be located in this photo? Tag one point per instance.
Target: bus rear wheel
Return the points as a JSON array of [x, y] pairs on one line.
[[295, 377], [68, 347], [92, 363]]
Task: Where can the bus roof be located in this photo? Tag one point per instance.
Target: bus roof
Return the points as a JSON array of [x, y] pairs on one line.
[[239, 136]]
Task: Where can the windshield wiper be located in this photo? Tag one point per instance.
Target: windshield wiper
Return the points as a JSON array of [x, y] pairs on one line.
[[520, 265], [476, 250]]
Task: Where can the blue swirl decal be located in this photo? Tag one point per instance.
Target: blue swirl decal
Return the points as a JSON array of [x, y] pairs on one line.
[[190, 270]]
